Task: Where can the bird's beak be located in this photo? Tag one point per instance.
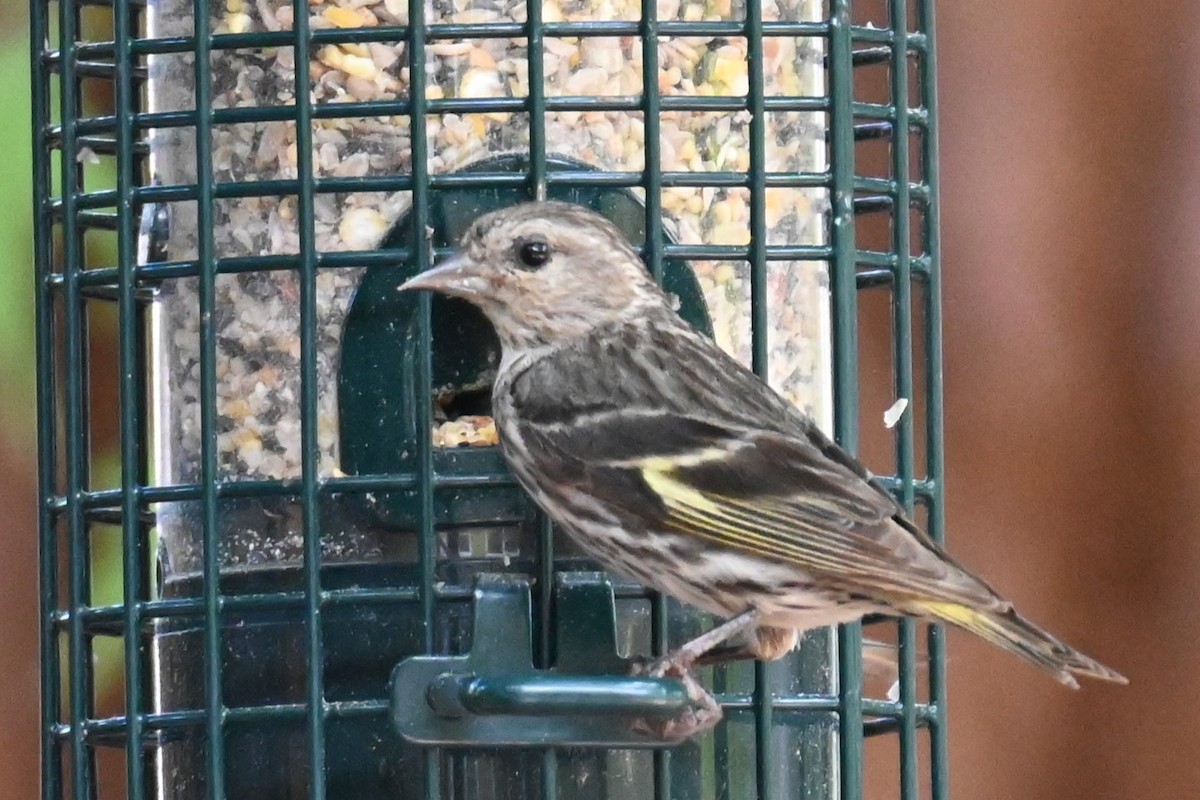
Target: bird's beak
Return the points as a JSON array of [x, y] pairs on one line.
[[459, 277]]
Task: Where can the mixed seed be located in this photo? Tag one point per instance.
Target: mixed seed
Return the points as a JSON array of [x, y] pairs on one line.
[[257, 313]]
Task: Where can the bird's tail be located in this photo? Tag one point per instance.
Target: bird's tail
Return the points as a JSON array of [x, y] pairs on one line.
[[1009, 631]]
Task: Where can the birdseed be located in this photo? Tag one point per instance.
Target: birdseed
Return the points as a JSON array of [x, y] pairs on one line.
[[256, 319]]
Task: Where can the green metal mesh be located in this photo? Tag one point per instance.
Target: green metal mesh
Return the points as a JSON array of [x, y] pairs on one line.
[[101, 263]]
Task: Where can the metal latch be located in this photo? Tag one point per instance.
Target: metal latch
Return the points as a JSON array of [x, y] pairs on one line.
[[495, 696]]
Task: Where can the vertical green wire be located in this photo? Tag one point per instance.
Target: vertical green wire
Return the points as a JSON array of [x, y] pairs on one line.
[[652, 182], [759, 321], [47, 409], [420, 257], [79, 647], [935, 464], [309, 448], [549, 778], [902, 354], [129, 393], [661, 645], [651, 119], [425, 476], [545, 530], [206, 256], [845, 373], [537, 101]]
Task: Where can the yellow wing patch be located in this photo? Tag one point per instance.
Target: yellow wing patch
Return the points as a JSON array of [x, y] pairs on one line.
[[956, 613], [738, 525], [793, 531]]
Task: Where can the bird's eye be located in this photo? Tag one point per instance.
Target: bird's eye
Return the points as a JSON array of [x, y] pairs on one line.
[[533, 253]]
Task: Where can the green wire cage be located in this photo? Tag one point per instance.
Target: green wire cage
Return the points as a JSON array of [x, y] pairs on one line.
[[304, 572]]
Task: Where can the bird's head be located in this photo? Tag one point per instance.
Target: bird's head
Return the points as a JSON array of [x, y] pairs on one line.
[[544, 273]]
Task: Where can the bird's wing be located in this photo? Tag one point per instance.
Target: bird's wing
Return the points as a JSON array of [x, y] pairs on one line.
[[779, 497], [657, 422]]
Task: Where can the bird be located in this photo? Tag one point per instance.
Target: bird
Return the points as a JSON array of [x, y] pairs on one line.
[[673, 465]]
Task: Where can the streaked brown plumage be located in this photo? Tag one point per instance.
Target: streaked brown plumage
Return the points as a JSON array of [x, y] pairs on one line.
[[675, 466]]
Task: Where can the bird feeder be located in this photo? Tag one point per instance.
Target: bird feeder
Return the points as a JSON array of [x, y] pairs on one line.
[[331, 586]]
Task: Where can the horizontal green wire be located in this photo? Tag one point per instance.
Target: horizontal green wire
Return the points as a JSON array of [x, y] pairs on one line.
[[242, 115], [107, 198], [112, 727], [590, 29], [111, 498]]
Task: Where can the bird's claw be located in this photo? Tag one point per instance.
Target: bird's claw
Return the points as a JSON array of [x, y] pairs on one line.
[[702, 715], [672, 665]]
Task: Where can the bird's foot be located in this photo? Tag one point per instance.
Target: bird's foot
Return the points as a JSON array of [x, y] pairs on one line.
[[702, 715], [705, 711], [676, 664]]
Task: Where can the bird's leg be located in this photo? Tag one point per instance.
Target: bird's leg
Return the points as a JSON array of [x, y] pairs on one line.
[[726, 654], [765, 643], [705, 711], [683, 658]]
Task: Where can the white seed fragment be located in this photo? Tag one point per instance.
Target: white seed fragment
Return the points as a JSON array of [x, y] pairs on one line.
[[238, 23], [893, 414], [481, 83], [362, 228]]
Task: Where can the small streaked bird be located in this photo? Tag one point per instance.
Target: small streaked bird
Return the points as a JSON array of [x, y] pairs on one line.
[[675, 466]]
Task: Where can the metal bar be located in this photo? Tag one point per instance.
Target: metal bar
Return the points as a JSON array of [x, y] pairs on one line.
[[660, 644], [649, 29], [845, 378], [482, 695], [192, 722], [887, 188], [449, 31], [903, 367], [114, 729], [107, 198], [211, 532], [809, 703], [111, 498], [534, 30], [241, 115], [108, 620], [759, 321], [47, 412], [309, 448], [419, 220], [651, 177], [934, 459], [101, 69], [106, 277], [130, 397], [101, 145], [886, 36], [79, 650], [764, 767], [879, 111], [549, 774]]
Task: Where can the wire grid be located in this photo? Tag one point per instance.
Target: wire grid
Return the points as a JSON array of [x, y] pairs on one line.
[[69, 288]]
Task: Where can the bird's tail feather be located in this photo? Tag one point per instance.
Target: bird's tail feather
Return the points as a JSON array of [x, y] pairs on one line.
[[1009, 631]]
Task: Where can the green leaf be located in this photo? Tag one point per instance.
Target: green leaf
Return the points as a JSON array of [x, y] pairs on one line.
[[16, 253]]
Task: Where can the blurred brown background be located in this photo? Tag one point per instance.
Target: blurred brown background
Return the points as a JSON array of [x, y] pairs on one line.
[[1071, 202], [1071, 257]]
